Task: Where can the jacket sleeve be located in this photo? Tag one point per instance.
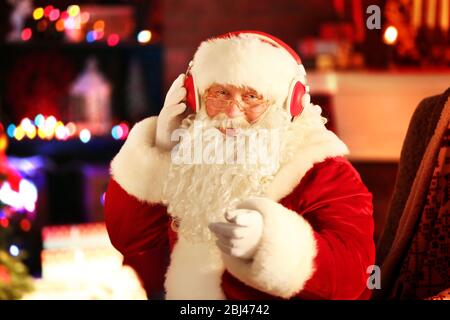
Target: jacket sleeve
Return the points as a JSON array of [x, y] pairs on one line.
[[318, 242], [136, 221], [138, 230]]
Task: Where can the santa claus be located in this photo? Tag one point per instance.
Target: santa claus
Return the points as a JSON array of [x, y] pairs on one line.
[[237, 190]]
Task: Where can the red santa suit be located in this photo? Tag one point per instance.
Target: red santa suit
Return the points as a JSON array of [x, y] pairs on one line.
[[317, 241]]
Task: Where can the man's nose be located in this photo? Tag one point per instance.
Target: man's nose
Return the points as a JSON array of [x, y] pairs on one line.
[[233, 110]]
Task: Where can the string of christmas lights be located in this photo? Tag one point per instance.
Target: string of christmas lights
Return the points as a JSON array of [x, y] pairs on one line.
[[71, 21], [49, 128]]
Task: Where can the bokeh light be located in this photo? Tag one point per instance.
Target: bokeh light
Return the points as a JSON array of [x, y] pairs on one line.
[[48, 10], [99, 25], [85, 135], [19, 133], [25, 225], [54, 15], [113, 40], [144, 36], [73, 10], [39, 120], [390, 35], [26, 34], [59, 26], [38, 13], [90, 37], [14, 250], [10, 130]]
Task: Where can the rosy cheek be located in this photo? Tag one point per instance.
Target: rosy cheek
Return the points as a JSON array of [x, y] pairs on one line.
[[252, 117], [256, 114], [211, 112]]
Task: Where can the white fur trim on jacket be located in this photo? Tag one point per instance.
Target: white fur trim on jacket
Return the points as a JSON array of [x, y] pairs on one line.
[[140, 168], [195, 272], [245, 60], [310, 142], [284, 260]]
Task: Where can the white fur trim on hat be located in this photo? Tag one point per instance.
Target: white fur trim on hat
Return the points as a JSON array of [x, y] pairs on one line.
[[245, 60], [140, 168], [285, 257]]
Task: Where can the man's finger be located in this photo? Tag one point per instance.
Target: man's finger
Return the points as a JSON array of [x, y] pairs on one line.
[[177, 109], [248, 219], [228, 230], [231, 215], [223, 248], [176, 96], [242, 217], [229, 242], [178, 83]]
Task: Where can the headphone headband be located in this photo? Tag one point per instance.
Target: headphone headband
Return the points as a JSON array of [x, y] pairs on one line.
[[265, 37], [297, 89]]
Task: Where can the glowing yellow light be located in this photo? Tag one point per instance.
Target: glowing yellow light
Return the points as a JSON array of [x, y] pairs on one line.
[[73, 10], [144, 36], [31, 134], [390, 35], [3, 144], [38, 13], [59, 25], [41, 133], [99, 25], [19, 133]]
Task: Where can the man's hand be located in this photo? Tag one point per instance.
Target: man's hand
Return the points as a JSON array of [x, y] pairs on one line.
[[240, 236], [170, 116]]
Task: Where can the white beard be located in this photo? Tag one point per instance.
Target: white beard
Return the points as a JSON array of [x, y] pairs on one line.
[[199, 193]]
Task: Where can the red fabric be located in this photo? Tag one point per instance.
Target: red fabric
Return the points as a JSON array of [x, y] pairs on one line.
[[331, 197], [139, 232]]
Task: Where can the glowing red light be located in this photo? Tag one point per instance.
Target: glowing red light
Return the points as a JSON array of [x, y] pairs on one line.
[[125, 130], [48, 10], [4, 222], [25, 225], [64, 15], [26, 34], [113, 40]]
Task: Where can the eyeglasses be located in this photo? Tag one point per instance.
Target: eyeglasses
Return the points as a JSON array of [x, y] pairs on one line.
[[249, 103]]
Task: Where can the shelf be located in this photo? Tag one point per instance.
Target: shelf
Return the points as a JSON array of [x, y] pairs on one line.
[[98, 149]]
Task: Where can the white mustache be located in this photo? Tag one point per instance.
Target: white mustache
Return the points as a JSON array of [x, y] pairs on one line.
[[222, 121]]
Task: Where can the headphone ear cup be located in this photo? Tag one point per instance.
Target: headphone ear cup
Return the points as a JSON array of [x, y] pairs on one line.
[[191, 93], [295, 98]]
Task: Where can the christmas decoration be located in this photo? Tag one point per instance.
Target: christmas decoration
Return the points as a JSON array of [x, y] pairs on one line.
[[79, 262], [14, 278], [17, 200], [50, 128], [90, 100], [421, 30]]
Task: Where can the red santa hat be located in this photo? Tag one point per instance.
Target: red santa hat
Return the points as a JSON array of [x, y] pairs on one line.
[[252, 59]]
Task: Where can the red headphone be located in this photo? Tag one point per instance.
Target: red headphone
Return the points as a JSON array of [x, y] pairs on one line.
[[296, 91]]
